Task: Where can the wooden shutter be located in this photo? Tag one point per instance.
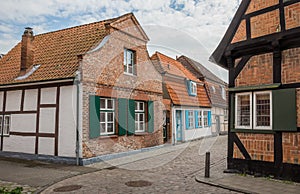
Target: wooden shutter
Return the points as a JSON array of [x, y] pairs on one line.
[[122, 116], [150, 116], [94, 115], [284, 110], [131, 117], [209, 118], [196, 120]]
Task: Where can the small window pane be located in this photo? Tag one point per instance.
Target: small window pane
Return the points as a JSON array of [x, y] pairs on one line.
[[141, 106], [110, 117], [102, 103], [263, 109], [102, 117], [141, 126], [243, 110], [102, 127], [110, 104], [110, 127], [141, 117]]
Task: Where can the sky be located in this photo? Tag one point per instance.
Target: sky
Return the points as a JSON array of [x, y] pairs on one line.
[[175, 27]]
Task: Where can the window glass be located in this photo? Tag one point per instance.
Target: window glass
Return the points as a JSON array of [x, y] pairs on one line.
[[243, 110], [107, 116], [205, 118], [263, 110], [139, 116], [129, 61]]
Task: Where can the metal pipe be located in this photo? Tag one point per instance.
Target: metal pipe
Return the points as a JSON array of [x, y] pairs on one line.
[[207, 164]]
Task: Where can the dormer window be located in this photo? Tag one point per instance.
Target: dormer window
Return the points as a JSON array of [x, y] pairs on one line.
[[192, 88], [129, 62]]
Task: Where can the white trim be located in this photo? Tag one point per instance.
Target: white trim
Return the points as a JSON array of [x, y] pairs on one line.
[[236, 105], [254, 108]]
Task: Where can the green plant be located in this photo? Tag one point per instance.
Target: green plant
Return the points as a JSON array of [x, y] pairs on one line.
[[17, 190]]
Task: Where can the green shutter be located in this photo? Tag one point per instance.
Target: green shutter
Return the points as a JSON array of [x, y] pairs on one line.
[[94, 110], [150, 117], [122, 116], [284, 110], [232, 111], [131, 117]]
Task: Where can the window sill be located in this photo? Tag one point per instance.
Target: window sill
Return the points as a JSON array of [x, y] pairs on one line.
[[141, 133], [108, 136], [260, 131], [129, 74]]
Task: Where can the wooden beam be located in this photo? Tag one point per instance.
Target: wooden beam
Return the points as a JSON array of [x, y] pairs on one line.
[[241, 65], [241, 147]]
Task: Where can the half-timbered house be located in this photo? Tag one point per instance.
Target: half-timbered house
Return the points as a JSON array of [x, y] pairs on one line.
[[261, 51], [80, 93]]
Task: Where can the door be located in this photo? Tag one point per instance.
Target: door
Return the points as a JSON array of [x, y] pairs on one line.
[[178, 125]]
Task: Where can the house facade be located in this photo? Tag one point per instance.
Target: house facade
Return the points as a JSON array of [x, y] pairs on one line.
[[80, 93], [261, 51], [187, 106], [217, 91]]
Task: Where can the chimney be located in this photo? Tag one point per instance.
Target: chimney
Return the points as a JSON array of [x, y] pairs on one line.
[[26, 50]]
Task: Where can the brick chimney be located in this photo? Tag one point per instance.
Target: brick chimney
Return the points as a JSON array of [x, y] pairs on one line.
[[26, 50]]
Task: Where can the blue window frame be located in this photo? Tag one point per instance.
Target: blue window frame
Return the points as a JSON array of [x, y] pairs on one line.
[[189, 119], [192, 88], [198, 119]]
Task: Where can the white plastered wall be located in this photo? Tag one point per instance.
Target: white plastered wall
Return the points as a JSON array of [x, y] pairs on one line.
[[13, 100]]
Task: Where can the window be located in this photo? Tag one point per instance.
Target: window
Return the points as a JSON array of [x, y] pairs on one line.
[[244, 110], [4, 124], [189, 118], [198, 119], [129, 66], [107, 116], [139, 116], [225, 114], [261, 117], [262, 110], [192, 88], [223, 92], [205, 119]]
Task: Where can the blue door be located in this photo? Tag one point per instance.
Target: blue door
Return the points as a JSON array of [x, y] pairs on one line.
[[178, 125]]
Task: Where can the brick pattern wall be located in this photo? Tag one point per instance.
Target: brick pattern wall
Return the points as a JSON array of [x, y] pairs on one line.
[[240, 34], [259, 146], [292, 16], [290, 66], [258, 71], [264, 24], [291, 148], [256, 5], [298, 107], [103, 75]]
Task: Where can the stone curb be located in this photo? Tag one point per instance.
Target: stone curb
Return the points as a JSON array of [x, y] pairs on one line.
[[207, 182]]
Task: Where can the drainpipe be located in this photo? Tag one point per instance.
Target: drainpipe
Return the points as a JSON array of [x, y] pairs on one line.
[[77, 83]]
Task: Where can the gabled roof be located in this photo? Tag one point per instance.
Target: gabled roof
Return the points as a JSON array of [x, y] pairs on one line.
[[218, 56], [175, 82], [199, 70], [57, 52], [171, 66], [213, 83]]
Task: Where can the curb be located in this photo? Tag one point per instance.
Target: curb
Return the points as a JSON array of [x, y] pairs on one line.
[[210, 183]]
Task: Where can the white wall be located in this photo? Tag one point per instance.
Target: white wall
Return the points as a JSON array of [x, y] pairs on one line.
[[13, 100], [196, 133], [46, 145], [67, 124], [30, 100], [48, 95], [19, 144], [47, 120], [25, 123]]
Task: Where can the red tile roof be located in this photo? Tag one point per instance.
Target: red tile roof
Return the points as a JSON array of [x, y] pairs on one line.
[[56, 52], [176, 86]]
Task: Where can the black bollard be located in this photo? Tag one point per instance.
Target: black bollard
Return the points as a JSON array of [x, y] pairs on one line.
[[207, 164]]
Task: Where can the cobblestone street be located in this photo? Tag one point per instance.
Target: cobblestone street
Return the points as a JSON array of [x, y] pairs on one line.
[[165, 170]]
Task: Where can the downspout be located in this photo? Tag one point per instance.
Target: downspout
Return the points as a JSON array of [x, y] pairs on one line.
[[77, 83]]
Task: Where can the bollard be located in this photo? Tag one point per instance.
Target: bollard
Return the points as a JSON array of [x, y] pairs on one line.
[[207, 164]]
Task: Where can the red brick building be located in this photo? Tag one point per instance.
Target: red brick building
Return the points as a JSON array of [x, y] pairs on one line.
[[80, 93], [261, 51]]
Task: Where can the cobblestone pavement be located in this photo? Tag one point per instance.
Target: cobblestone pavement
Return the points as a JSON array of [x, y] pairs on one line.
[[167, 170]]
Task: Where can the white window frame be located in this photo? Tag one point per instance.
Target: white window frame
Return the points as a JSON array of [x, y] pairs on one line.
[[199, 118], [193, 88], [139, 112], [126, 64], [205, 118], [255, 115], [191, 120], [4, 125], [236, 108], [107, 110]]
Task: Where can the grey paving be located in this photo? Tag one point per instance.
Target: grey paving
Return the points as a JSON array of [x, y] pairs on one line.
[[168, 169]]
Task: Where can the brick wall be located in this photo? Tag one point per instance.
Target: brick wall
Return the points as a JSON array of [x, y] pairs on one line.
[[292, 16], [265, 24], [256, 5], [103, 76], [291, 148], [259, 146], [240, 34], [290, 66], [258, 71]]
